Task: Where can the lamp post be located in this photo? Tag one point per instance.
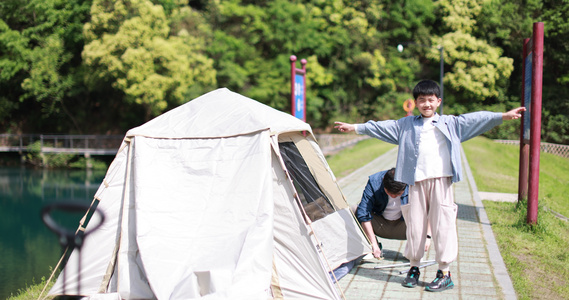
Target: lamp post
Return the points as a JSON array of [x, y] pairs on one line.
[[441, 50]]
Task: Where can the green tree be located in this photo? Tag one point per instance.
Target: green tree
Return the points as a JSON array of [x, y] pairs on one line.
[[366, 71], [476, 72], [507, 23], [405, 20], [555, 88], [39, 41], [251, 46], [131, 46], [13, 47], [106, 66]]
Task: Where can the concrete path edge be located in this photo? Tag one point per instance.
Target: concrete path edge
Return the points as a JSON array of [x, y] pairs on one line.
[[500, 271]]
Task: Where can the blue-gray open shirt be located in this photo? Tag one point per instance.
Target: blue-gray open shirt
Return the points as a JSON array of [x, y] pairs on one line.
[[406, 131]]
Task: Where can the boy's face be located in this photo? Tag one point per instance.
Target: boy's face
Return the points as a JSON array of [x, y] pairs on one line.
[[427, 105]]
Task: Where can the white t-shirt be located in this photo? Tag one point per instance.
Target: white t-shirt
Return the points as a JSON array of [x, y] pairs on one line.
[[393, 209], [434, 157]]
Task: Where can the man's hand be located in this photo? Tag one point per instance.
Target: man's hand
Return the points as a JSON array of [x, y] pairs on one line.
[[513, 114], [376, 252], [368, 229], [345, 127], [427, 244]]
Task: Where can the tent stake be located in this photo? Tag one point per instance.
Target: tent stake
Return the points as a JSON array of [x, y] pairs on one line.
[[427, 263]]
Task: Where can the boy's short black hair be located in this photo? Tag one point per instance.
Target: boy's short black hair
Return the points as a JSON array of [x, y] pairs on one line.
[[426, 88], [392, 186]]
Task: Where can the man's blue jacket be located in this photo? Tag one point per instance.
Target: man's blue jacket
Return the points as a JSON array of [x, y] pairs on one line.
[[375, 199]]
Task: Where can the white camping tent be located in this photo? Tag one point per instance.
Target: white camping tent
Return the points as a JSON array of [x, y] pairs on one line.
[[220, 198]]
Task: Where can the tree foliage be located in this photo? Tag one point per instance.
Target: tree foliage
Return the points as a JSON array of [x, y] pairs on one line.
[[38, 41], [131, 47], [475, 71], [105, 66]]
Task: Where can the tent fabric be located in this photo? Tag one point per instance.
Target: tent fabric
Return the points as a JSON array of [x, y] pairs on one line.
[[337, 250], [97, 249], [300, 271], [343, 270], [319, 168], [312, 198], [232, 114], [200, 258], [198, 204]]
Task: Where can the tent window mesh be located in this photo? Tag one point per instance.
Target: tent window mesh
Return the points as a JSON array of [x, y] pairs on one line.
[[315, 203]]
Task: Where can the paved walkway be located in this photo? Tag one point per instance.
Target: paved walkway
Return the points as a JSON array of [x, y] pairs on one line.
[[478, 273]]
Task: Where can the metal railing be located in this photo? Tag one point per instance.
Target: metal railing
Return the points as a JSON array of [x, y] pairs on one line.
[[54, 143], [555, 149], [109, 144], [332, 143]]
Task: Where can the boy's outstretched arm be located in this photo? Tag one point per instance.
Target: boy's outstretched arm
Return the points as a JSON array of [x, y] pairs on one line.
[[513, 114], [345, 127]]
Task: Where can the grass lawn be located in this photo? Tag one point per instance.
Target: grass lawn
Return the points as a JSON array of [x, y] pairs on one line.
[[536, 256], [33, 291], [495, 168], [352, 158]]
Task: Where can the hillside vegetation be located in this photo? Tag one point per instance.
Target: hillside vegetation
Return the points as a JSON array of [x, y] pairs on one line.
[[103, 67]]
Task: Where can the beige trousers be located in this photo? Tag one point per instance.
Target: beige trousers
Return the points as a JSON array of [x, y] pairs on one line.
[[431, 200]]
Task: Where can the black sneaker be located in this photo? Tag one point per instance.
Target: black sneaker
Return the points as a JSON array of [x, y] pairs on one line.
[[412, 278], [441, 283]]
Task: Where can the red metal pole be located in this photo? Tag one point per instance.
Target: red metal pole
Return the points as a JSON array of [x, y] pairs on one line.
[[535, 132], [524, 147], [303, 63], [292, 74]]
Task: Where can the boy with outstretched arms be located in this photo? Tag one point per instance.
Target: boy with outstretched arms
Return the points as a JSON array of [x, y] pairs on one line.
[[429, 162]]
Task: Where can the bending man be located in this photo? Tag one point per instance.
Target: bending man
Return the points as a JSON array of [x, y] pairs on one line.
[[379, 211]]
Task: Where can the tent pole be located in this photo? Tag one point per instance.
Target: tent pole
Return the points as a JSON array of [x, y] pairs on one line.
[[114, 259], [53, 273], [81, 224], [307, 219], [328, 263]]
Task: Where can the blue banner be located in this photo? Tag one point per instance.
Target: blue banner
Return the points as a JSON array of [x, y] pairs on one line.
[[299, 97], [527, 97]]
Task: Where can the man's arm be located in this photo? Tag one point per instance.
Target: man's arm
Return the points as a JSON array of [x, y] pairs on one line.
[[368, 229], [364, 214]]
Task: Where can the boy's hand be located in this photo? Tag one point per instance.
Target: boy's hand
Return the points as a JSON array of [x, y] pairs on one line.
[[513, 114], [344, 127]]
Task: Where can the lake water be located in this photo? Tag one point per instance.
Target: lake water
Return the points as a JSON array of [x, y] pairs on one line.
[[28, 248]]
